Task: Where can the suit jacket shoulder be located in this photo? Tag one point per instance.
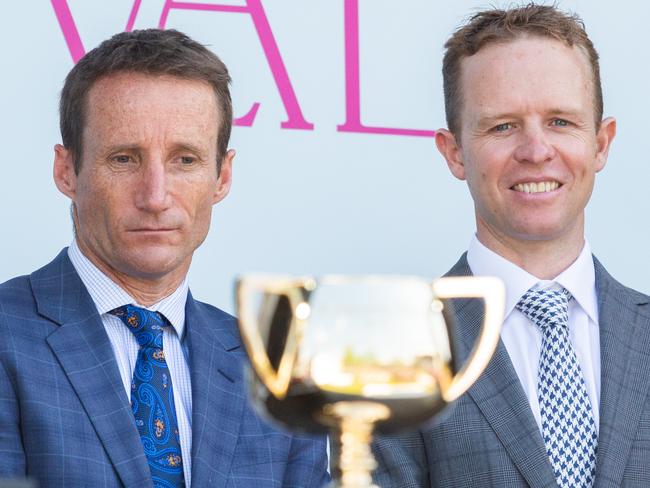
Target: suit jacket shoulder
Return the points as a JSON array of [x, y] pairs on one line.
[[16, 298], [65, 417], [489, 437], [607, 285], [214, 313]]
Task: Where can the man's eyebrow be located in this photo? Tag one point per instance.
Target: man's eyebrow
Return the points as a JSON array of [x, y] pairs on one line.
[[123, 148], [490, 119], [184, 146], [181, 146], [571, 112]]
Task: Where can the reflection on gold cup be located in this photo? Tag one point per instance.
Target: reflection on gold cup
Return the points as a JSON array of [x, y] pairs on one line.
[[350, 355]]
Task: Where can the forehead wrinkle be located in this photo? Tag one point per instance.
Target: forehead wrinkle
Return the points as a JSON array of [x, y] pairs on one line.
[[121, 107], [493, 66]]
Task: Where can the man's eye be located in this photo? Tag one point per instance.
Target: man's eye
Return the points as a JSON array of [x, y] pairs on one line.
[[560, 123], [188, 160], [122, 159], [503, 127]]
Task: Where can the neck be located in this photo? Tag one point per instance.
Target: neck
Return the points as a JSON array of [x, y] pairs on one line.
[[541, 258], [144, 290]]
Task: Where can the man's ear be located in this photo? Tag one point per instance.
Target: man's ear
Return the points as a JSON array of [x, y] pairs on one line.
[[225, 177], [604, 138], [65, 176], [450, 149]]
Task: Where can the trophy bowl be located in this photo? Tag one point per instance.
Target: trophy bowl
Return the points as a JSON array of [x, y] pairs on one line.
[[353, 355]]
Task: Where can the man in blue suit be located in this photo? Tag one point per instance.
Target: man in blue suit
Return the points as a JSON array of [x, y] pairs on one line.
[[111, 374], [564, 401]]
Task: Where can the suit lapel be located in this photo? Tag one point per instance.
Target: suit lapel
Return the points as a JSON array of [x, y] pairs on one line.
[[86, 356], [218, 393], [624, 319], [500, 396]]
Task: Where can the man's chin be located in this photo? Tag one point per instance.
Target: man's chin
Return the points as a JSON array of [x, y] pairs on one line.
[[542, 232], [155, 265]]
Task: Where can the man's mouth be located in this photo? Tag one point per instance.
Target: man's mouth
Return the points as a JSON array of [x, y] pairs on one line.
[[539, 187], [153, 230]]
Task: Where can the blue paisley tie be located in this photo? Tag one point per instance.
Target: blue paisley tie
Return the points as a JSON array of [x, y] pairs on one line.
[[152, 397]]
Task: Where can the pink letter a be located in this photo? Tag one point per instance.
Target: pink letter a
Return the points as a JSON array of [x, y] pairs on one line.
[[253, 8]]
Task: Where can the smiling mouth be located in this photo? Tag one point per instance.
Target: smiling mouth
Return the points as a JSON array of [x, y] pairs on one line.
[[541, 187]]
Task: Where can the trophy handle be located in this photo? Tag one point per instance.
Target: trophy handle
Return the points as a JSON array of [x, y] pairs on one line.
[[492, 291], [296, 291]]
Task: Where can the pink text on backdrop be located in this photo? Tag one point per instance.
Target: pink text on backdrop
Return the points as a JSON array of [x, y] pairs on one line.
[[254, 8], [352, 82]]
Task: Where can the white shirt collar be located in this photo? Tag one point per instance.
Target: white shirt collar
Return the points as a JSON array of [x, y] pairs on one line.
[[108, 295], [579, 278]]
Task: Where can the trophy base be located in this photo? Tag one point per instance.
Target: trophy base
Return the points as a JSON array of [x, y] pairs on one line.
[[303, 407], [355, 423]]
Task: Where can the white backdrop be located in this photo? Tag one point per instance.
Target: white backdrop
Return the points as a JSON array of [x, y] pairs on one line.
[[321, 200]]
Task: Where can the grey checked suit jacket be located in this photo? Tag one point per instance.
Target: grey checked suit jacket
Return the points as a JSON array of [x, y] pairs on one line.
[[65, 418], [489, 437]]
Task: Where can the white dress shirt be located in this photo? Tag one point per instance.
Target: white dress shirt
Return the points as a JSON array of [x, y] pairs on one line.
[[107, 296], [523, 339]]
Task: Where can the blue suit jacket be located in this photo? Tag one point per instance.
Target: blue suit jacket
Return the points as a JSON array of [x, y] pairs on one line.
[[489, 437], [65, 418]]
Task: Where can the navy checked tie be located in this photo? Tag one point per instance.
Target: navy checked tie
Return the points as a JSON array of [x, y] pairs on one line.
[[152, 397], [568, 424]]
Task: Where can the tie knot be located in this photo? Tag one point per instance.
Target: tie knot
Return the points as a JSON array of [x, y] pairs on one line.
[[546, 307], [146, 326]]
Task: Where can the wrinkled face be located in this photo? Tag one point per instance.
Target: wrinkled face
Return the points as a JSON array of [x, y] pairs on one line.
[[528, 148], [148, 179]]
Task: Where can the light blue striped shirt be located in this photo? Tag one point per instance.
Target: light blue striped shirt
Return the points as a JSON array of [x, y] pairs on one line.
[[107, 296]]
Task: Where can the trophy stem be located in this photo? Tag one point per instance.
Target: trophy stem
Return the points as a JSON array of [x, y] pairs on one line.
[[355, 423]]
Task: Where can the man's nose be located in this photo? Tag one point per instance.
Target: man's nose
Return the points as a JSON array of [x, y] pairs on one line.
[[534, 146], [152, 194]]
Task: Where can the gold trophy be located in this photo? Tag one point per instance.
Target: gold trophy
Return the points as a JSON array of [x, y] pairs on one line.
[[352, 355]]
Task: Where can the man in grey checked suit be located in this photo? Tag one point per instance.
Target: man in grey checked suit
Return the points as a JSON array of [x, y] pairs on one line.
[[145, 121], [524, 110]]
